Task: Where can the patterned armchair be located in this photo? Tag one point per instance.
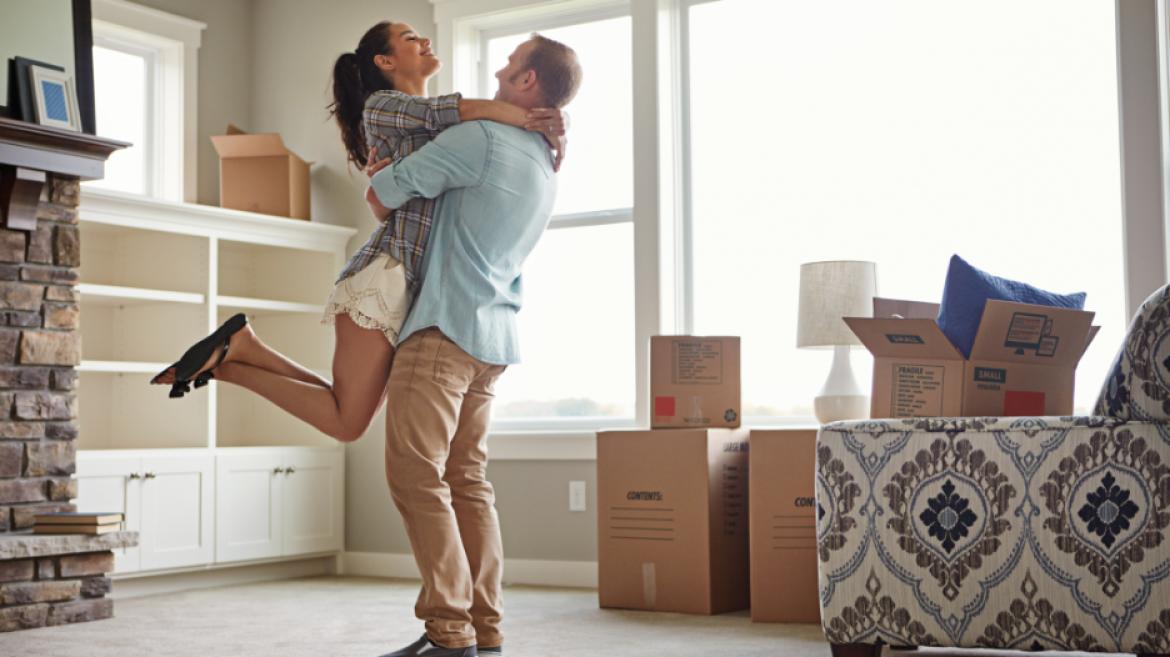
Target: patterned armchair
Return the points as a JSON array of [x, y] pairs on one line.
[[1008, 533]]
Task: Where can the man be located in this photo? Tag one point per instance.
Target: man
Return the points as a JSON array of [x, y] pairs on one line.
[[497, 188]]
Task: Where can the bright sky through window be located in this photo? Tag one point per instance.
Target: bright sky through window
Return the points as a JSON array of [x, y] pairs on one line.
[[120, 102], [900, 132]]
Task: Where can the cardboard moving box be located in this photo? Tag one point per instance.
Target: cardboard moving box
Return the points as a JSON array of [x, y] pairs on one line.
[[781, 497], [1023, 362], [258, 174], [694, 381], [673, 520]]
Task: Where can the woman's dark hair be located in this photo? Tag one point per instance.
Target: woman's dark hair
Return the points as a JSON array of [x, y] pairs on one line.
[[355, 77]]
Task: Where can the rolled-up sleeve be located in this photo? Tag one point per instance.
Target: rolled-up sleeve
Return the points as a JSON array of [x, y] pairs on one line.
[[393, 112], [456, 158]]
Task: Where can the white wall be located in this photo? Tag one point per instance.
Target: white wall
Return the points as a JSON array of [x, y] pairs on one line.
[[34, 30]]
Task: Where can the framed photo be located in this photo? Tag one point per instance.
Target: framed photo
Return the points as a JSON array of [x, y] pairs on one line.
[[21, 86], [54, 98]]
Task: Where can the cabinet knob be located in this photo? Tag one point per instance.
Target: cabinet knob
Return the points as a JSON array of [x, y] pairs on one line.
[[150, 475], [134, 475], [277, 471], [290, 470]]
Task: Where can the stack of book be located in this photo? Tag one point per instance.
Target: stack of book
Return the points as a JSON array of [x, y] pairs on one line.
[[77, 523]]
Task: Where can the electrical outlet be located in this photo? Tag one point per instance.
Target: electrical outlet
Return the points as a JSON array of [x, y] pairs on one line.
[[576, 496]]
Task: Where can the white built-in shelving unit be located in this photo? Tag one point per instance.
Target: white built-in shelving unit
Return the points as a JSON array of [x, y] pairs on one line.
[[221, 475]]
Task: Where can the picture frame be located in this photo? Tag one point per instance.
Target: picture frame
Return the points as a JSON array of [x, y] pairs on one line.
[[20, 81], [54, 98]]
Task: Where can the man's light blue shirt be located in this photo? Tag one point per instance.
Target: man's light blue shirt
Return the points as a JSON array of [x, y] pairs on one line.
[[497, 190]]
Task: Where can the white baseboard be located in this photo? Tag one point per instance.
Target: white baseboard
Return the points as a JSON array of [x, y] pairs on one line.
[[136, 585], [534, 572]]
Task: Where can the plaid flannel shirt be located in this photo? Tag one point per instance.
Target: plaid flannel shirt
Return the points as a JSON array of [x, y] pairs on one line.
[[397, 124]]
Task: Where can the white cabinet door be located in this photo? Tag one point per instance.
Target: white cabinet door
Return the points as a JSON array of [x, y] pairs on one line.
[[248, 513], [104, 484], [177, 511], [314, 502]]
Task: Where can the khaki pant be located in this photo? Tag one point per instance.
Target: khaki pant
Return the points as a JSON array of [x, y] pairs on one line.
[[436, 462]]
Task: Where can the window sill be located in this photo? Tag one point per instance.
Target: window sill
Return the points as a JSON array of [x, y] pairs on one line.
[[552, 445], [581, 444]]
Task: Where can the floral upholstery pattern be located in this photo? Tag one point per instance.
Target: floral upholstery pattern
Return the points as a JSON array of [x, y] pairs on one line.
[[1138, 386], [1010, 533]]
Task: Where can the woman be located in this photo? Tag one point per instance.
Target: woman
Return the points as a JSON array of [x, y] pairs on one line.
[[379, 105]]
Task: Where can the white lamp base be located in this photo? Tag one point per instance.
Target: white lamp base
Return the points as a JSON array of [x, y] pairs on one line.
[[831, 408], [841, 398]]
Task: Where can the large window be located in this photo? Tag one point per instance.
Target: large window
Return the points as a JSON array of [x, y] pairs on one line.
[[900, 132], [577, 324]]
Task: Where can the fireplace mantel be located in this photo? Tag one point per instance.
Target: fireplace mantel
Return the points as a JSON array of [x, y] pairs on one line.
[[53, 150], [29, 151]]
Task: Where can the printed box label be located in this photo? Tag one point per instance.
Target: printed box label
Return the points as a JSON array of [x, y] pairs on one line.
[[990, 375], [917, 390], [698, 362], [901, 338]]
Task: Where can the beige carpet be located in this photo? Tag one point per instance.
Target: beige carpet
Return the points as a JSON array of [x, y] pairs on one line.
[[360, 617]]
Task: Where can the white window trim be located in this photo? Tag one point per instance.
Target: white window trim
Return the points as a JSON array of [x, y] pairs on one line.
[[1139, 76], [596, 218], [463, 29], [176, 40]]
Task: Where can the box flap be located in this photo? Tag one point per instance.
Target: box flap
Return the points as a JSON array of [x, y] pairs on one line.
[[1026, 333], [237, 143], [1092, 334], [903, 338], [903, 309]]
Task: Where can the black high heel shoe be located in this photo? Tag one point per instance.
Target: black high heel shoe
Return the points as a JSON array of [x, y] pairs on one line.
[[194, 358]]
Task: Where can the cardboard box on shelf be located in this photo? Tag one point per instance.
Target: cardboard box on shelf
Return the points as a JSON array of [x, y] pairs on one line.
[[694, 381], [783, 526], [258, 174], [1023, 361], [673, 520]]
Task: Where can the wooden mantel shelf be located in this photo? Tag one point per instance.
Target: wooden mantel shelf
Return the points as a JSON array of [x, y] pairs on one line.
[[29, 151], [53, 150]]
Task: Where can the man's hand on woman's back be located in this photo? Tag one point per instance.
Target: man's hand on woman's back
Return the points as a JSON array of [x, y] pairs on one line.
[[374, 165]]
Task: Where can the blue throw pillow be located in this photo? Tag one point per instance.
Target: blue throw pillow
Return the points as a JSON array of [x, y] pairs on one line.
[[968, 289]]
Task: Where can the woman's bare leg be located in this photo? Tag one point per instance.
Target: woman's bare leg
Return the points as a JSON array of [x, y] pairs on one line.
[[342, 409], [247, 347]]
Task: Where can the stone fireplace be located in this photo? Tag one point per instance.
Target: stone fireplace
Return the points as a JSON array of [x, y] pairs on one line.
[[44, 580]]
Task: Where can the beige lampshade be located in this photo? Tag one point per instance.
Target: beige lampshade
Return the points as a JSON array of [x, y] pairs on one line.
[[829, 291]]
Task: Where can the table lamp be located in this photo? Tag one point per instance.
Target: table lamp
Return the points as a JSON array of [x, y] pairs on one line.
[[829, 291]]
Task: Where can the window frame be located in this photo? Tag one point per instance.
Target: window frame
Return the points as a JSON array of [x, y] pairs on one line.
[[471, 64], [173, 43], [663, 223]]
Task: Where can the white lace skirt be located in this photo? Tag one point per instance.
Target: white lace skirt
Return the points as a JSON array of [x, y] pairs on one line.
[[374, 298]]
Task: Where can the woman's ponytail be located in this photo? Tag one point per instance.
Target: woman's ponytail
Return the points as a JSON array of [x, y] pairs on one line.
[[355, 77]]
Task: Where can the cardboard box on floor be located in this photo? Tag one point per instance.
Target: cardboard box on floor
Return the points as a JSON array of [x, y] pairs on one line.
[[258, 174], [673, 520], [783, 526], [1023, 361], [694, 381]]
